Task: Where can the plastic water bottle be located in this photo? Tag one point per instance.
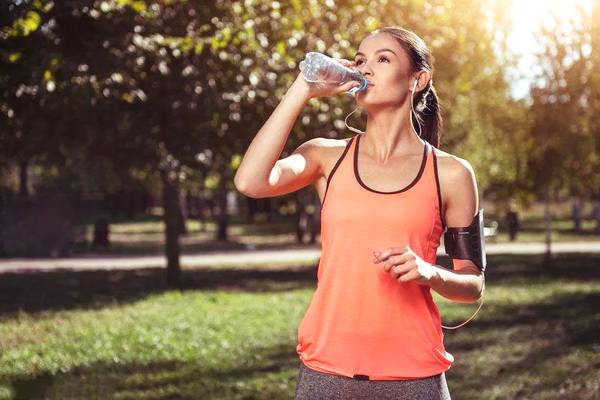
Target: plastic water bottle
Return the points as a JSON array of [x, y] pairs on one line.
[[320, 68]]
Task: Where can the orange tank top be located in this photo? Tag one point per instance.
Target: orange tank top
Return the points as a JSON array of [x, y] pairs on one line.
[[360, 321]]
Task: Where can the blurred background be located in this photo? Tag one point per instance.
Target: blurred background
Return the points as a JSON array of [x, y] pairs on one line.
[[122, 123]]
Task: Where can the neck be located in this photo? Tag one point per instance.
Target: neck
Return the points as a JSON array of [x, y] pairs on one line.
[[389, 134]]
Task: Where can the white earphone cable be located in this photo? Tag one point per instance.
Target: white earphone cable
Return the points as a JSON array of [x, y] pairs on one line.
[[472, 316], [413, 110], [350, 127]]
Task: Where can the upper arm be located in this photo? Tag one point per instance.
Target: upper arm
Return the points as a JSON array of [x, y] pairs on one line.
[[462, 203], [289, 174]]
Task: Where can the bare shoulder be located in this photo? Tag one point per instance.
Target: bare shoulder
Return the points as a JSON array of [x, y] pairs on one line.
[[327, 149], [323, 152], [453, 169], [458, 183]]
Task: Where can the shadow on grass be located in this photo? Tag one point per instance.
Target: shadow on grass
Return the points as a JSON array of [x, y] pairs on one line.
[[511, 351], [520, 347], [548, 332], [274, 377], [530, 360], [66, 289]]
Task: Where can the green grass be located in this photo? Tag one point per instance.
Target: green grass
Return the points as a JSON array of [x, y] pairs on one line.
[[231, 335], [194, 344]]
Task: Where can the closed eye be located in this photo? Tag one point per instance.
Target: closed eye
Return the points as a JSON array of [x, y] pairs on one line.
[[385, 58]]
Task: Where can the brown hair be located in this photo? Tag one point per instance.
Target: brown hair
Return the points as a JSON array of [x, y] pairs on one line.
[[425, 103]]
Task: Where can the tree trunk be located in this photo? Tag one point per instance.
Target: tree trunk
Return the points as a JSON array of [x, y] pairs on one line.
[[548, 225], [172, 229], [576, 214], [23, 179], [182, 213], [222, 218]]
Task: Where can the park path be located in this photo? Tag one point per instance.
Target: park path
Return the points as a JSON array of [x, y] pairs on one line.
[[247, 257]]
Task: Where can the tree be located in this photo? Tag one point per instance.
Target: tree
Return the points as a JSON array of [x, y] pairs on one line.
[[561, 129]]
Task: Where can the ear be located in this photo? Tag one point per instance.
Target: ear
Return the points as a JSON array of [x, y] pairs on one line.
[[422, 78]]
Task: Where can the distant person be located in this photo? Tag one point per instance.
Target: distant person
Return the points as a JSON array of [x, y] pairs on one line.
[[314, 212], [101, 233], [372, 329], [576, 213], [308, 216], [512, 220], [596, 215]]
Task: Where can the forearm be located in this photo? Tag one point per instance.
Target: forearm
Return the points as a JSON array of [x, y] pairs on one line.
[[266, 147], [457, 285]]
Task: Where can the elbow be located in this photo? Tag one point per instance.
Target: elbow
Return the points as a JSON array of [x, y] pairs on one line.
[[479, 290], [465, 299], [246, 188], [473, 300], [242, 187], [473, 294], [468, 299]]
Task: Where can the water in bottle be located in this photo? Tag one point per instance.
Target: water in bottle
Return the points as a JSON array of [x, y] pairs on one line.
[[320, 68]]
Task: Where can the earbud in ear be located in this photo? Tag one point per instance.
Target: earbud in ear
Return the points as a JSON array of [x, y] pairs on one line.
[[415, 85]]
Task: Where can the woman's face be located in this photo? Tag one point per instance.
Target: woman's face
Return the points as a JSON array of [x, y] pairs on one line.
[[388, 70]]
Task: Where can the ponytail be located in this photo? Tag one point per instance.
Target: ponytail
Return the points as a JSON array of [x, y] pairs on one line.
[[429, 116]]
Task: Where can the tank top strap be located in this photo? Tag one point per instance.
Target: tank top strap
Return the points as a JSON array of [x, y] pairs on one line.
[[433, 170], [340, 167]]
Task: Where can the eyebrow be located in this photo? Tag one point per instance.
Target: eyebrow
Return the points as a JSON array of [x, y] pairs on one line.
[[378, 51]]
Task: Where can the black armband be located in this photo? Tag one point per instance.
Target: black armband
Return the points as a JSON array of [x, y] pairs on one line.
[[467, 242]]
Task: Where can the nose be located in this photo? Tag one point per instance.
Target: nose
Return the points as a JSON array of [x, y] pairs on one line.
[[367, 75], [364, 69]]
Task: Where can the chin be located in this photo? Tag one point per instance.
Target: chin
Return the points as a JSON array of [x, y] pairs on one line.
[[367, 103], [370, 101], [364, 99]]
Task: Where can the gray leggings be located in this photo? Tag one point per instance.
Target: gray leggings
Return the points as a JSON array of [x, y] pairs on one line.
[[316, 385]]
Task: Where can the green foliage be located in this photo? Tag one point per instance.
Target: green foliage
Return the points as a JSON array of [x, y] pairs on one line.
[[122, 79], [564, 108], [23, 26]]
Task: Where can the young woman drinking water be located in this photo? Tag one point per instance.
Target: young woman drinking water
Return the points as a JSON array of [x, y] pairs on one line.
[[372, 329]]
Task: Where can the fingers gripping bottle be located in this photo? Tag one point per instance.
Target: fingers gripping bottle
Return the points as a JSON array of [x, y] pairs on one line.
[[320, 68]]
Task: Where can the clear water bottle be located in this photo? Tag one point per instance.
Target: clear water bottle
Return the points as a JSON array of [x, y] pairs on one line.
[[320, 68]]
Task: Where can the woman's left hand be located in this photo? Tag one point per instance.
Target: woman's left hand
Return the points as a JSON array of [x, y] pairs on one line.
[[404, 265]]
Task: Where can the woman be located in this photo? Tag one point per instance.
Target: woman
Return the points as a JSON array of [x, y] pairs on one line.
[[372, 330]]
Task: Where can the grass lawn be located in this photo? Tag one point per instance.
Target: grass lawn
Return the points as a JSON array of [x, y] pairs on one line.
[[231, 334]]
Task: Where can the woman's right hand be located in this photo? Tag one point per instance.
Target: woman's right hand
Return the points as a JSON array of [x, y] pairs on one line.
[[313, 89]]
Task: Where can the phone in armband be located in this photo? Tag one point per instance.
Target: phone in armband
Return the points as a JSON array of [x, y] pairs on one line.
[[467, 243]]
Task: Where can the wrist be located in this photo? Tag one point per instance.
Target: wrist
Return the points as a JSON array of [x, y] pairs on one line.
[[437, 278], [299, 90]]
